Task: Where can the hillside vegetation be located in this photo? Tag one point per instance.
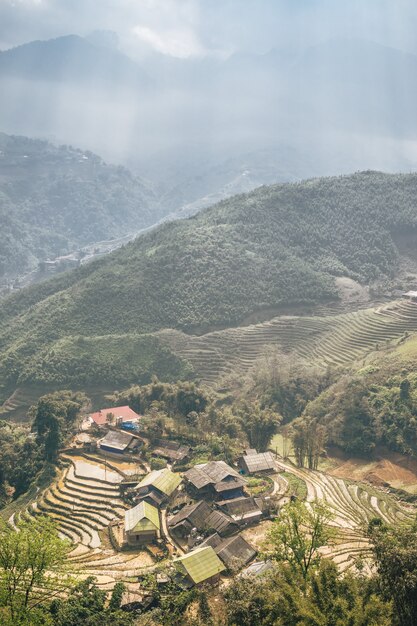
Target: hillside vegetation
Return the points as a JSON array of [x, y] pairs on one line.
[[54, 200], [278, 246]]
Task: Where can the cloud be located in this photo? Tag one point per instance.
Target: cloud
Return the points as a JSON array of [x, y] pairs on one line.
[[185, 28], [177, 43]]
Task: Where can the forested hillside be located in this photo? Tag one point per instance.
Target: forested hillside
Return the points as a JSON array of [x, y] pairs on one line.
[[53, 200], [278, 246]]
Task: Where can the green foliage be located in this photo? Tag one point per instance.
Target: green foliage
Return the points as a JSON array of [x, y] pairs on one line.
[[53, 200], [54, 417], [179, 399], [259, 424], [31, 567], [262, 250], [284, 384], [374, 407], [111, 360], [327, 598], [157, 463], [86, 604], [395, 550], [308, 440], [20, 460], [23, 454], [258, 486], [296, 486], [296, 536]]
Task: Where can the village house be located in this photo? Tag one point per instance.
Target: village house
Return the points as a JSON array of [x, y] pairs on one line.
[[253, 462], [216, 480], [158, 486], [201, 517], [115, 416], [172, 451], [118, 442], [201, 566], [235, 552], [246, 510], [142, 524]]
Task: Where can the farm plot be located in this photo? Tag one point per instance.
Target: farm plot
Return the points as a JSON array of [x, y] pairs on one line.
[[83, 501], [323, 340], [352, 506]]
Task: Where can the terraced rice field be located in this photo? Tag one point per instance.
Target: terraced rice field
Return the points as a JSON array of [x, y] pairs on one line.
[[321, 340], [352, 506], [83, 501]]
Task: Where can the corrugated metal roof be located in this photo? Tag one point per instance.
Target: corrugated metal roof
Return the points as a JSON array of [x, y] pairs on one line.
[[171, 450], [200, 564], [123, 413], [259, 462], [216, 473], [241, 506], [164, 480], [116, 439], [203, 517], [235, 552], [258, 568], [143, 517]]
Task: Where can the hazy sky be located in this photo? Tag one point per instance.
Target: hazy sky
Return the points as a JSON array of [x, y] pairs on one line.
[[187, 28]]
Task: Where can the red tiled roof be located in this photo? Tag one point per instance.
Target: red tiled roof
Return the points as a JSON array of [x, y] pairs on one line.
[[125, 413]]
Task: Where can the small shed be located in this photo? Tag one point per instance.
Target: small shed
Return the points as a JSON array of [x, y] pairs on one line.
[[142, 524], [258, 463], [118, 442], [200, 566]]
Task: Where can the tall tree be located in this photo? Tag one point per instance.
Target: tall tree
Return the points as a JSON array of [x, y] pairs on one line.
[[296, 536], [308, 439], [259, 424]]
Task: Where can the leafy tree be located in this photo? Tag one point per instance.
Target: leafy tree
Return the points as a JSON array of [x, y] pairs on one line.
[[395, 550], [86, 605], [308, 439], [327, 598], [54, 417], [296, 536], [258, 424], [31, 566]]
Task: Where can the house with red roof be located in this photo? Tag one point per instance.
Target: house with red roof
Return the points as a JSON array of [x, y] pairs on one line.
[[115, 416]]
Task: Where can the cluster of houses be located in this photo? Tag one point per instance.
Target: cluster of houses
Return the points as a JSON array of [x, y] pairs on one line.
[[203, 511]]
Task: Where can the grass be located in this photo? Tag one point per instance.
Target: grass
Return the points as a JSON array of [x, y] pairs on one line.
[[296, 485], [277, 446], [258, 485]]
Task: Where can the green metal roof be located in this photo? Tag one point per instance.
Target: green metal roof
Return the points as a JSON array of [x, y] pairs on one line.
[[164, 480], [200, 564], [142, 518]]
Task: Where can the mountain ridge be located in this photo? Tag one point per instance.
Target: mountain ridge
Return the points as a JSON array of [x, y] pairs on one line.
[[277, 246], [56, 199]]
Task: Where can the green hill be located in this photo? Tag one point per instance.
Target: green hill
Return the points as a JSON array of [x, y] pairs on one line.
[[275, 248], [54, 200]]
